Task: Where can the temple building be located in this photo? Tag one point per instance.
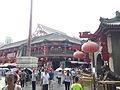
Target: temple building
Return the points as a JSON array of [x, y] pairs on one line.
[[108, 37], [48, 45]]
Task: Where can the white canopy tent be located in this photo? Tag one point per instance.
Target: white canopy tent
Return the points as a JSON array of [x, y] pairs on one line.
[[7, 65]]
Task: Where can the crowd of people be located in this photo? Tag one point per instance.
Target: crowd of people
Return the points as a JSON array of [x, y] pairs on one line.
[[70, 79], [44, 77]]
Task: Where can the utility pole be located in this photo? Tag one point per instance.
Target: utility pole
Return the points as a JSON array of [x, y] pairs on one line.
[[28, 62], [28, 52]]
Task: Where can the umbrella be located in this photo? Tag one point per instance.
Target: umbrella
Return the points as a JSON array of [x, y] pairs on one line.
[[27, 70], [67, 69], [58, 69], [2, 70], [14, 69]]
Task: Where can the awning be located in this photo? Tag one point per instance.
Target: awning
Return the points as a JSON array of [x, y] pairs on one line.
[[78, 62]]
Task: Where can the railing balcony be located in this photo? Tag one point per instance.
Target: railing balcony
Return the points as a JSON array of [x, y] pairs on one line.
[[52, 53]]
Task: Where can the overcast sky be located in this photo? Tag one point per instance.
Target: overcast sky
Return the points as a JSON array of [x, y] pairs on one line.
[[69, 16]]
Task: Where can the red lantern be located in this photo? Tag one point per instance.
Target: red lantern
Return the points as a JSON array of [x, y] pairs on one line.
[[90, 47], [78, 54]]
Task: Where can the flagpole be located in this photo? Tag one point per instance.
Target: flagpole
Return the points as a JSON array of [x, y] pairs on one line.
[[28, 53]]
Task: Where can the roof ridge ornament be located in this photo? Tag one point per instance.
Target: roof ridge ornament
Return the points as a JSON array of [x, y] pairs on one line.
[[115, 19], [103, 19], [40, 31], [118, 14]]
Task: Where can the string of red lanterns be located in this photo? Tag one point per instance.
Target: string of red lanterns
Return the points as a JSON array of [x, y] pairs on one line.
[[91, 47]]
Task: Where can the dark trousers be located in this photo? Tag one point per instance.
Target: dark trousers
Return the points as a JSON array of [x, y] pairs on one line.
[[111, 87], [73, 79], [33, 85], [67, 85], [45, 87], [59, 80], [22, 83]]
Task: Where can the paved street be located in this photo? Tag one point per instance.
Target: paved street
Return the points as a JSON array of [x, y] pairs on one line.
[[55, 85], [2, 82]]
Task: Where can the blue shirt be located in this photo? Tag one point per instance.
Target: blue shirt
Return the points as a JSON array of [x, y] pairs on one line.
[[33, 77]]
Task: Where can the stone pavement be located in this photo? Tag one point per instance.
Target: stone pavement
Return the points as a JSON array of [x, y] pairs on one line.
[[2, 82], [38, 87], [29, 87]]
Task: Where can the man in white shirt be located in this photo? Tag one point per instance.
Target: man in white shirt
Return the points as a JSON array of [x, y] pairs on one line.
[[45, 77], [33, 80]]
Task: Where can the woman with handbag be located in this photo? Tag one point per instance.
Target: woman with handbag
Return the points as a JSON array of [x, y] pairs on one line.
[[67, 80]]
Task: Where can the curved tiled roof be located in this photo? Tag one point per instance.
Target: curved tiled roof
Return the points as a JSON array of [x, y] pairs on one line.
[[112, 21], [49, 37], [57, 37], [108, 25], [15, 44]]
